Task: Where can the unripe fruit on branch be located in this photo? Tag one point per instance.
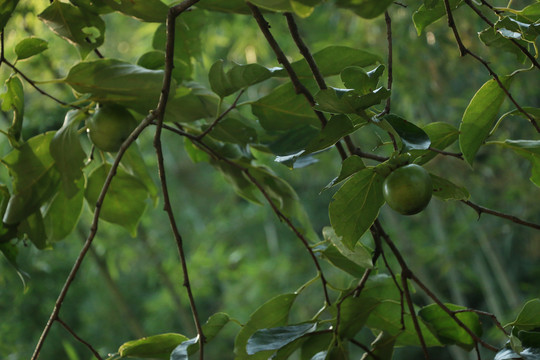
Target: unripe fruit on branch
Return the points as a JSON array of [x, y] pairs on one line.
[[408, 189], [110, 127]]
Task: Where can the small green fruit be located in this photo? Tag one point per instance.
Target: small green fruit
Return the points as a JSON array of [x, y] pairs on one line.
[[408, 189], [110, 127]]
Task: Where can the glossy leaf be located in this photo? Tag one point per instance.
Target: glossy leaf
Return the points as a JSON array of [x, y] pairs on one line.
[[480, 116], [234, 131], [277, 337], [35, 178], [315, 344], [492, 38], [214, 324], [329, 64], [13, 100], [125, 201], [425, 16], [152, 347], [67, 151], [356, 205], [526, 354], [382, 347], [84, 29], [6, 9], [444, 189], [447, 330], [29, 47], [412, 137], [273, 313], [337, 127], [359, 254], [368, 9], [354, 312], [133, 162], [283, 109]]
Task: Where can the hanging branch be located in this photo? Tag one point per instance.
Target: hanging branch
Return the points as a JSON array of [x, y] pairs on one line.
[[79, 339], [465, 51], [388, 21], [173, 13]]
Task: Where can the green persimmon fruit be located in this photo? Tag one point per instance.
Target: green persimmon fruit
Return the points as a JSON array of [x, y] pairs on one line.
[[110, 126], [408, 189]]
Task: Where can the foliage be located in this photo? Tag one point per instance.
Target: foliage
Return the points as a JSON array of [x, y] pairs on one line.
[[249, 122]]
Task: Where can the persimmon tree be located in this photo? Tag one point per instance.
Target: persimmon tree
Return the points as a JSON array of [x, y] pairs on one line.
[[295, 117]]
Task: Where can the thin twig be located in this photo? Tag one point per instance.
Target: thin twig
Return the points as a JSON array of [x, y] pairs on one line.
[[480, 210], [173, 13], [465, 51], [221, 116], [388, 21], [365, 348], [485, 313], [446, 153], [33, 84], [79, 339], [369, 155]]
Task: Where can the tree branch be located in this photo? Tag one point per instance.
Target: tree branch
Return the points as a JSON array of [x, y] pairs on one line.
[[79, 339], [480, 210], [221, 116]]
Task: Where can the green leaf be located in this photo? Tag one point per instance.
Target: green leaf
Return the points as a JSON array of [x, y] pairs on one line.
[[355, 77], [145, 10], [315, 344], [528, 318], [367, 9], [152, 60], [529, 339], [447, 330], [35, 178], [444, 189], [63, 212], [359, 254], [347, 101], [151, 347], [84, 29], [354, 314], [529, 149], [182, 351], [517, 30], [29, 47], [283, 109], [67, 151], [277, 337], [13, 99], [214, 324], [273, 313], [412, 137], [6, 9], [350, 166], [441, 135], [425, 16], [125, 201], [527, 354], [117, 81], [238, 77], [329, 64], [480, 115], [356, 205]]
